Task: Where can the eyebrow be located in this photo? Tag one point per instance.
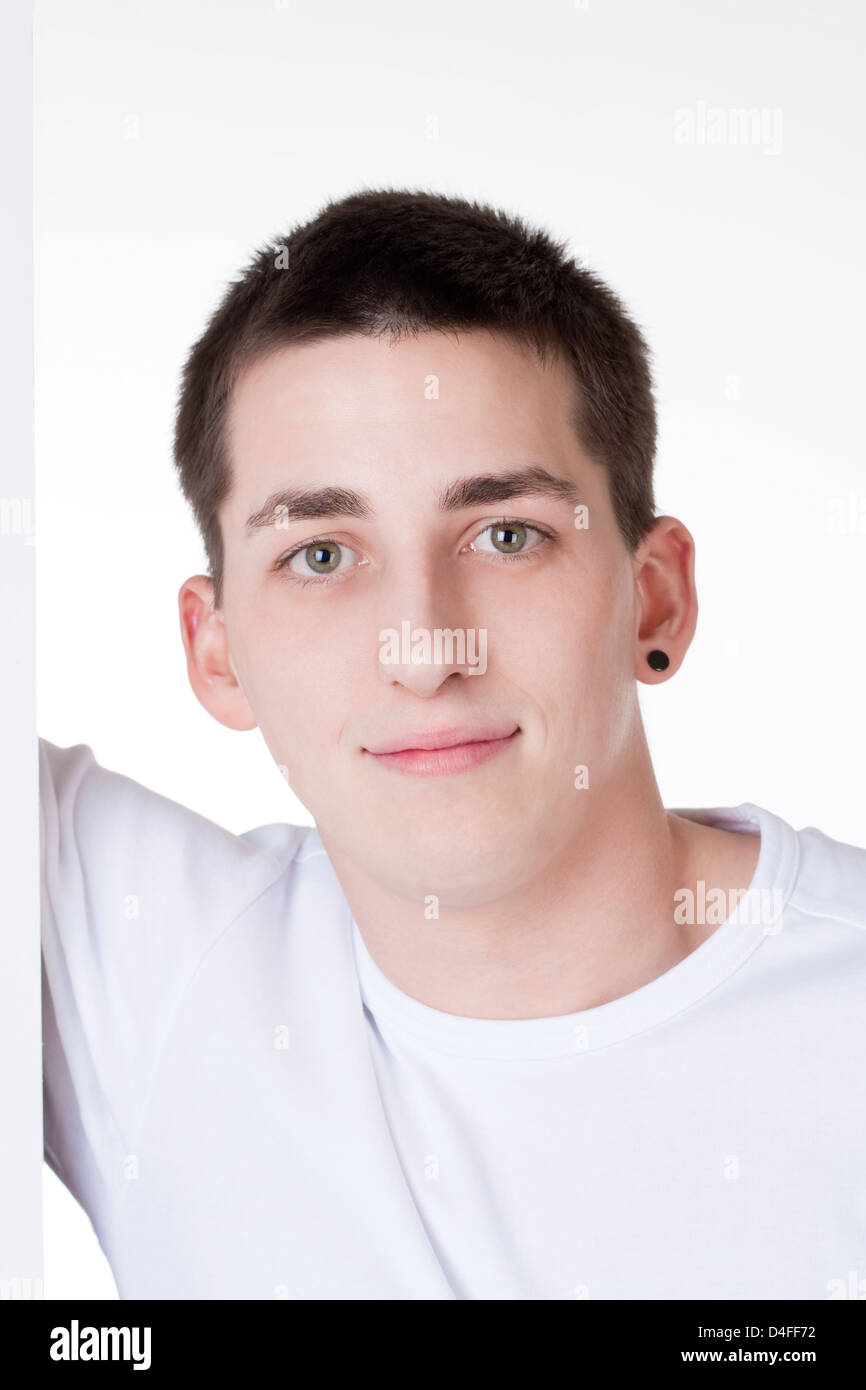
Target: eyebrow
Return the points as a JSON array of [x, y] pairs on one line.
[[480, 489]]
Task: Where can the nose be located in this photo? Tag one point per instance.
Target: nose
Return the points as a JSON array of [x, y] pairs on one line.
[[424, 640]]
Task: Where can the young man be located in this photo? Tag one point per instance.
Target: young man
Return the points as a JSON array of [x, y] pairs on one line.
[[501, 1026]]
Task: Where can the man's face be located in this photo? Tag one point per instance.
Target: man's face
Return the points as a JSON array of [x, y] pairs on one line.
[[404, 516]]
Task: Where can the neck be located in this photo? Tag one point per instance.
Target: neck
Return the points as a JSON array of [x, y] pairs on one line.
[[590, 926]]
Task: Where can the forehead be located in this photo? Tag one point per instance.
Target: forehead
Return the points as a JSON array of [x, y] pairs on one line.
[[396, 421], [480, 381]]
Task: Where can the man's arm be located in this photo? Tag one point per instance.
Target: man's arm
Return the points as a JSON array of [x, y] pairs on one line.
[[135, 889]]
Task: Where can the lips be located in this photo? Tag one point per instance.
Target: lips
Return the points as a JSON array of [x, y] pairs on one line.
[[443, 752], [428, 740]]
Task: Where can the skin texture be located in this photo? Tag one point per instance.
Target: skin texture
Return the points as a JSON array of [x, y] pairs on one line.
[[551, 899]]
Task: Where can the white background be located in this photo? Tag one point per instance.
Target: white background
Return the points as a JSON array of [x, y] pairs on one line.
[[175, 137]]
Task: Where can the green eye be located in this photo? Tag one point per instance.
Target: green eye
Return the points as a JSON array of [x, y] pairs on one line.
[[508, 537], [318, 560], [322, 558]]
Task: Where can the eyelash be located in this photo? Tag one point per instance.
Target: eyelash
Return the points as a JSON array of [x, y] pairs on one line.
[[546, 538], [302, 579], [499, 557]]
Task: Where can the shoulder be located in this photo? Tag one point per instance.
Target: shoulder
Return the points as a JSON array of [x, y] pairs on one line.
[[830, 882], [821, 929], [135, 853]]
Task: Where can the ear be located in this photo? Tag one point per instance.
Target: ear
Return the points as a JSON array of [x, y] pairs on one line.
[[664, 571], [209, 665]]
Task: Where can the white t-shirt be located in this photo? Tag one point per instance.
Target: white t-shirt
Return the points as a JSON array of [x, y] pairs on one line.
[[247, 1108]]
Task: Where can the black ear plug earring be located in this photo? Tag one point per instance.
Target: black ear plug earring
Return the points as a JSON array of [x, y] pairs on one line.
[[659, 661]]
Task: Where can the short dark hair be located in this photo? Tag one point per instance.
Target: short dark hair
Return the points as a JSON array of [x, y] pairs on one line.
[[396, 262]]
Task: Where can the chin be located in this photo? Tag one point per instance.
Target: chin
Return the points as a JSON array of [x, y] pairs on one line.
[[461, 872]]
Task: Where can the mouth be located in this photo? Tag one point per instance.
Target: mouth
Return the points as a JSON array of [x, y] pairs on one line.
[[443, 752]]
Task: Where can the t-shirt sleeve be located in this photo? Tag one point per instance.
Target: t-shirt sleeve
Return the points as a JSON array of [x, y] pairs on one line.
[[135, 890]]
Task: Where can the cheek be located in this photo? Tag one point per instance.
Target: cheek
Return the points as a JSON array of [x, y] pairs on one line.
[[575, 655], [300, 679]]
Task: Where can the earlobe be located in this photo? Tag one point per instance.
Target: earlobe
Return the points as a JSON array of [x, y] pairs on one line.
[[666, 600], [655, 663]]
